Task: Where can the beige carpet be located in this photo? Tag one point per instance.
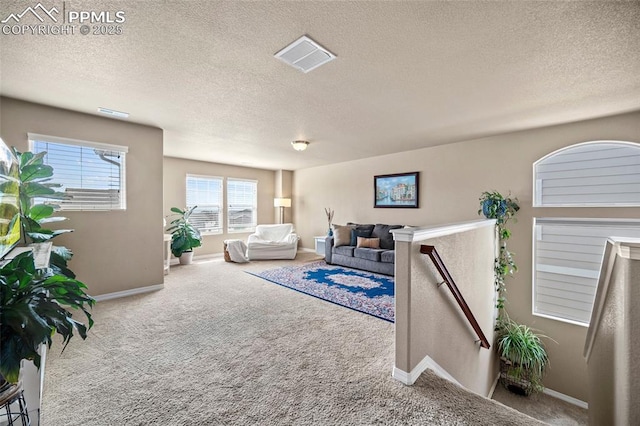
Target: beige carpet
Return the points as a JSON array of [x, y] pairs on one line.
[[218, 346]]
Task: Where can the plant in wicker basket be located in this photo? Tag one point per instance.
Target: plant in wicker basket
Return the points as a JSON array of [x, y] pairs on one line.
[[523, 357]]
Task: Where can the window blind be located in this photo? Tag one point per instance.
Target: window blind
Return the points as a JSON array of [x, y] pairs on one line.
[[603, 173], [91, 174], [206, 193], [242, 205], [567, 261]]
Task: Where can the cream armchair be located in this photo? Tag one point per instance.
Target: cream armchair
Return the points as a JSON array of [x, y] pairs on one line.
[[273, 242]]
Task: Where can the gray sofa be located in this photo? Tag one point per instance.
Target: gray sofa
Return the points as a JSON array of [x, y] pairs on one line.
[[379, 260]]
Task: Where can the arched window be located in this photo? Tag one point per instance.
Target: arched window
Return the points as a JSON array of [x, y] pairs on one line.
[[590, 174], [568, 250]]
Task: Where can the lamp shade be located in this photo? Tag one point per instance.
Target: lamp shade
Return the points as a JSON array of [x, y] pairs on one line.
[[282, 202]]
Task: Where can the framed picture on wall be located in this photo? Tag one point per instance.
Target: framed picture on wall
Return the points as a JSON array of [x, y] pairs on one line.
[[400, 190]]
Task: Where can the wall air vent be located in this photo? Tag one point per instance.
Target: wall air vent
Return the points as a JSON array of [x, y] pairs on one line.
[[305, 54]]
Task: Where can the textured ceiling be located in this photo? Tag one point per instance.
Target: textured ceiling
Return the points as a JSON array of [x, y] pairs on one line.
[[407, 74]]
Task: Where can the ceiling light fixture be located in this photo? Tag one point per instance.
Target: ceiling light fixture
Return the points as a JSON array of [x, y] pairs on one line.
[[300, 145], [305, 54], [113, 113]]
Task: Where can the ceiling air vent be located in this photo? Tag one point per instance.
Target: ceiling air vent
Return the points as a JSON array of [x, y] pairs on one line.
[[305, 54]]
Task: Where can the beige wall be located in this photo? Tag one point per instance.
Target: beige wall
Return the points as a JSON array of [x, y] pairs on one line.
[[429, 321], [452, 179], [283, 188], [614, 366], [113, 250], [175, 195]]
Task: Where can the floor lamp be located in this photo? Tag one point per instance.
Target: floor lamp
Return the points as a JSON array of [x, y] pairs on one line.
[[282, 203]]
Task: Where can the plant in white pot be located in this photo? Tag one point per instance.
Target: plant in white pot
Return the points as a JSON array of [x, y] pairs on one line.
[[184, 236], [36, 303]]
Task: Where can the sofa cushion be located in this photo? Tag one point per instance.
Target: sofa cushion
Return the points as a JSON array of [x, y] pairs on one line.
[[344, 250], [386, 238], [358, 233], [341, 235], [368, 243], [388, 256], [368, 254], [359, 230]]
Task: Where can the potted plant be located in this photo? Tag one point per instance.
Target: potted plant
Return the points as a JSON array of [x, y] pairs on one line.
[[33, 307], [34, 187], [523, 357], [495, 206], [184, 236], [34, 302]]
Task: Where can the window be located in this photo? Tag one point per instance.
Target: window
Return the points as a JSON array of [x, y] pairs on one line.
[[600, 173], [567, 255], [92, 174], [242, 205], [567, 252], [206, 193]]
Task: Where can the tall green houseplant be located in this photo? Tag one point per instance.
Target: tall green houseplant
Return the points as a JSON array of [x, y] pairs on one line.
[[184, 236], [523, 357], [35, 303], [35, 214], [495, 206]]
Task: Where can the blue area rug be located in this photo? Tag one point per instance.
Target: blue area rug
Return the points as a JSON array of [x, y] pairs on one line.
[[361, 291]]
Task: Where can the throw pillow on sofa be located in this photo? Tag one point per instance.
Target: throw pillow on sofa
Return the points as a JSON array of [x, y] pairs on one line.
[[368, 243], [359, 230], [359, 233], [341, 235], [386, 238]]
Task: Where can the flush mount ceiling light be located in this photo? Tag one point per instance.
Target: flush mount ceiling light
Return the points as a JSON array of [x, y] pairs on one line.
[[113, 113], [300, 145], [305, 54]]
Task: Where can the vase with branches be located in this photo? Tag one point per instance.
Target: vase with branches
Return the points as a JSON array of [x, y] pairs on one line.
[[329, 214]]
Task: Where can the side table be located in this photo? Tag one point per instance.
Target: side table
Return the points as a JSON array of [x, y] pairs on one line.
[[320, 241]]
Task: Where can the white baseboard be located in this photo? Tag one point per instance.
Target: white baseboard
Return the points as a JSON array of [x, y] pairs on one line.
[[493, 387], [427, 362], [125, 293], [566, 398], [201, 257], [550, 392]]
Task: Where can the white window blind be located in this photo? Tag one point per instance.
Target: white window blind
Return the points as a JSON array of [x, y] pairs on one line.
[[567, 259], [92, 174], [602, 173], [206, 193], [242, 205]]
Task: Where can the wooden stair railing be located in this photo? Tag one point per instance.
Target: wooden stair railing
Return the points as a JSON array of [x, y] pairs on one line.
[[444, 272]]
